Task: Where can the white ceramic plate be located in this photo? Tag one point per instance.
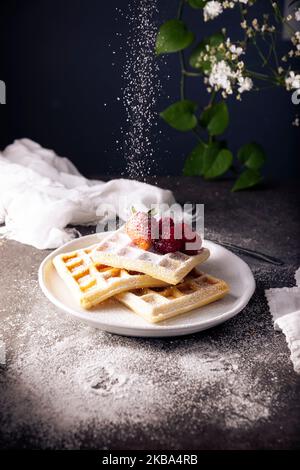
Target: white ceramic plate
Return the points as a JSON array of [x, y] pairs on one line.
[[113, 317]]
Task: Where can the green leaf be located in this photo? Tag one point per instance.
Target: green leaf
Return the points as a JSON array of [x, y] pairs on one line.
[[252, 155], [194, 163], [215, 118], [196, 58], [247, 179], [211, 153], [181, 115], [201, 158], [221, 164], [197, 3], [173, 36]]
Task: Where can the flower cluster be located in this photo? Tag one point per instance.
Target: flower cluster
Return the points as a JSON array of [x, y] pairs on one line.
[[292, 81], [224, 77], [295, 51], [296, 16], [211, 10], [214, 8], [296, 43], [226, 70], [255, 27]]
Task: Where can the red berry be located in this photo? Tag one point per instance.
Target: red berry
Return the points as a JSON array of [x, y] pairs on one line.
[[167, 243], [165, 223], [190, 237], [139, 228]]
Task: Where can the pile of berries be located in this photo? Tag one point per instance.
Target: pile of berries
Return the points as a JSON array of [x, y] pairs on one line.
[[163, 236]]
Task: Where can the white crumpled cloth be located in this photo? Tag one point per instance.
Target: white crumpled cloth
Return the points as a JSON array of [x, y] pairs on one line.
[[284, 304], [41, 193]]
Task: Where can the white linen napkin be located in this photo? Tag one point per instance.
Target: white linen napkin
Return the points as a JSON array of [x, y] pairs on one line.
[[284, 305], [41, 193]]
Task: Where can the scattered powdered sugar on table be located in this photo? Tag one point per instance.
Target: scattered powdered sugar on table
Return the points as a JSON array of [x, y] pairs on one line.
[[64, 380], [235, 400], [2, 353], [61, 374]]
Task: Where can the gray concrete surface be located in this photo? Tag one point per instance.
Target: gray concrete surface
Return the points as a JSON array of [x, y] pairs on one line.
[[65, 385]]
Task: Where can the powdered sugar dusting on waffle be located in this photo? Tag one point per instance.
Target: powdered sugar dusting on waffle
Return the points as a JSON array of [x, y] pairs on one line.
[[157, 304], [117, 249]]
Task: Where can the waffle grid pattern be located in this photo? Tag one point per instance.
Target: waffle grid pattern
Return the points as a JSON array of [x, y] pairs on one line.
[[93, 282], [157, 304]]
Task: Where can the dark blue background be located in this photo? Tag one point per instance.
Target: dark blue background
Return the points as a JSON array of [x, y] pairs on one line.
[[56, 60]]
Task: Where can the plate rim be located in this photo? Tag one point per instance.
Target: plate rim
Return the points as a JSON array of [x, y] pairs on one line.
[[150, 330]]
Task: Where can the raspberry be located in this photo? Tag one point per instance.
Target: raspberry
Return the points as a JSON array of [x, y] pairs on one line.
[[167, 243], [139, 228], [165, 223]]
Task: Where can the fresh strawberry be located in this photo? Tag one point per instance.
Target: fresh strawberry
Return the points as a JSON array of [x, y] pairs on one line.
[[190, 237], [167, 242], [139, 228]]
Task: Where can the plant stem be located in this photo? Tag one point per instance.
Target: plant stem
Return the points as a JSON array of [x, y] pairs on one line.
[[274, 51], [260, 53], [191, 74], [181, 56], [260, 76], [196, 132], [182, 77], [243, 19], [280, 17], [212, 97], [180, 9]]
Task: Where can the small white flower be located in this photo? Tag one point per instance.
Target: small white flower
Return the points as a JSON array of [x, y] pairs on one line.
[[212, 9], [245, 84], [220, 76], [297, 15], [236, 50], [255, 24], [292, 81]]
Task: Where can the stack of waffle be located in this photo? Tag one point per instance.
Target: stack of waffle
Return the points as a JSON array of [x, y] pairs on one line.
[[155, 286]]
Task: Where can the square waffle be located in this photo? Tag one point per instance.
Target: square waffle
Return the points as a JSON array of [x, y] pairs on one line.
[[118, 250], [93, 282], [160, 303]]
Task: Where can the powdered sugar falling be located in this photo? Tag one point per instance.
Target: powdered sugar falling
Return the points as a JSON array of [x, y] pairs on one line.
[[142, 87]]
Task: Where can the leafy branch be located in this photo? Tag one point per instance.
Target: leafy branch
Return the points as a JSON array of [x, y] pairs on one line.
[[209, 59]]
